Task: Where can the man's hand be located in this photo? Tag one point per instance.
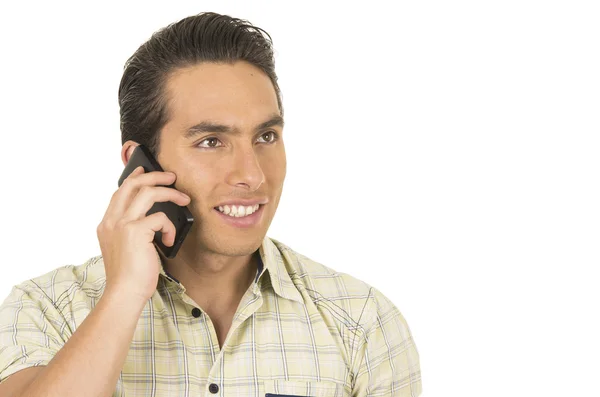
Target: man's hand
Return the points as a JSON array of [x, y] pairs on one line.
[[126, 234]]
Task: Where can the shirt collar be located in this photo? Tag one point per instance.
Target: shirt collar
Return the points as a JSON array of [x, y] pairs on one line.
[[273, 261], [278, 264]]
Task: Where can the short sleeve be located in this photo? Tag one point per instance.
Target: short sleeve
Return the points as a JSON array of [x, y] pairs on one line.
[[389, 360], [32, 330]]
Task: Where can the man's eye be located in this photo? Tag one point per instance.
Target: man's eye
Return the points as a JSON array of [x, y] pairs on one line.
[[273, 133], [208, 140], [212, 141]]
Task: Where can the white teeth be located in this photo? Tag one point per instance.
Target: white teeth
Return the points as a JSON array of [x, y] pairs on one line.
[[238, 211]]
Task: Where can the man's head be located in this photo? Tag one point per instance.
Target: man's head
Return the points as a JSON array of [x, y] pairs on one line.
[[202, 95]]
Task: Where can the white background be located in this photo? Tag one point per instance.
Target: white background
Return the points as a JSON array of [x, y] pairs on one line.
[[444, 152]]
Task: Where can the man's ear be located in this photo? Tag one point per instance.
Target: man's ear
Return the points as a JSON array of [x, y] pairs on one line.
[[127, 151]]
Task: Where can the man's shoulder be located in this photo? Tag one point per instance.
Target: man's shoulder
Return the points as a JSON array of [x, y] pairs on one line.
[[343, 300], [87, 279], [322, 281]]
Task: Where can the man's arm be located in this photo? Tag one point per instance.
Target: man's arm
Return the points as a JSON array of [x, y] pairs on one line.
[[388, 361], [17, 382], [90, 362]]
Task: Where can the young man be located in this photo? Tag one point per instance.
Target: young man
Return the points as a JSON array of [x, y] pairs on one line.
[[235, 312]]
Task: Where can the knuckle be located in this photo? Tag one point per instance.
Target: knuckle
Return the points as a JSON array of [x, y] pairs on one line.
[[145, 190], [129, 182], [164, 217], [104, 226], [121, 224], [127, 228]]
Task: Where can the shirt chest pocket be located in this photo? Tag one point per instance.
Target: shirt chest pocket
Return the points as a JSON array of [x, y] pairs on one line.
[[288, 388]]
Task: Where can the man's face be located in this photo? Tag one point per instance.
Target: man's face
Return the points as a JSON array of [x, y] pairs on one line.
[[212, 167]]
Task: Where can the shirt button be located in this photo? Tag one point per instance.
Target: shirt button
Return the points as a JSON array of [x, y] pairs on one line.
[[196, 313], [213, 388]]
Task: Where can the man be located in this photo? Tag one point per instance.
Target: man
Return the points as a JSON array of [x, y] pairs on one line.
[[235, 312]]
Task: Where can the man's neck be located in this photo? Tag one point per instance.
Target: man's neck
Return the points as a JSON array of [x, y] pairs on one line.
[[215, 282]]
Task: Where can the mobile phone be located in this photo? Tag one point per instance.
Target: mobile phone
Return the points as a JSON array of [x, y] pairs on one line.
[[180, 216]]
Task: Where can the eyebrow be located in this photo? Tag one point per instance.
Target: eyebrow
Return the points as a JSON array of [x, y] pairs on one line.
[[208, 126]]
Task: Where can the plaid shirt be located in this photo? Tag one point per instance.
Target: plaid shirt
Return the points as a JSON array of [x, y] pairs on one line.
[[301, 329]]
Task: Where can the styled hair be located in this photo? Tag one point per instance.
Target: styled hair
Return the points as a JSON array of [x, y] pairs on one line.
[[206, 37]]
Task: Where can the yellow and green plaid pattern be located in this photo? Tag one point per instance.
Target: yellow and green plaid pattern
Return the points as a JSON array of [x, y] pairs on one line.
[[301, 329]]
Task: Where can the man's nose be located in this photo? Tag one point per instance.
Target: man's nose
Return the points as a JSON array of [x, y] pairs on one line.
[[246, 168]]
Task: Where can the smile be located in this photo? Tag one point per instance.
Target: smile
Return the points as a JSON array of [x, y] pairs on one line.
[[238, 211], [251, 219]]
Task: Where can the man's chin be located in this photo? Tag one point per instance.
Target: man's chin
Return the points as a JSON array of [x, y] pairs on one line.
[[224, 244]]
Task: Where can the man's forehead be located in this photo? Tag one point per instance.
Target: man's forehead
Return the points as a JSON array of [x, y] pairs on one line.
[[211, 79], [195, 96]]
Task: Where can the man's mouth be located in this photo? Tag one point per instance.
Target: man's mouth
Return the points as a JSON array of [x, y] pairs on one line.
[[237, 216], [238, 211]]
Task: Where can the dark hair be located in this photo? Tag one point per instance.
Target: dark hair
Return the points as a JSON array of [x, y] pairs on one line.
[[206, 37]]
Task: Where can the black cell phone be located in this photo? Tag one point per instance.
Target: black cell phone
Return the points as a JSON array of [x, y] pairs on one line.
[[180, 216]]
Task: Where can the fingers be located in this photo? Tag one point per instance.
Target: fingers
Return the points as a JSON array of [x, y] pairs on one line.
[[126, 195], [123, 195], [147, 196], [157, 222]]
